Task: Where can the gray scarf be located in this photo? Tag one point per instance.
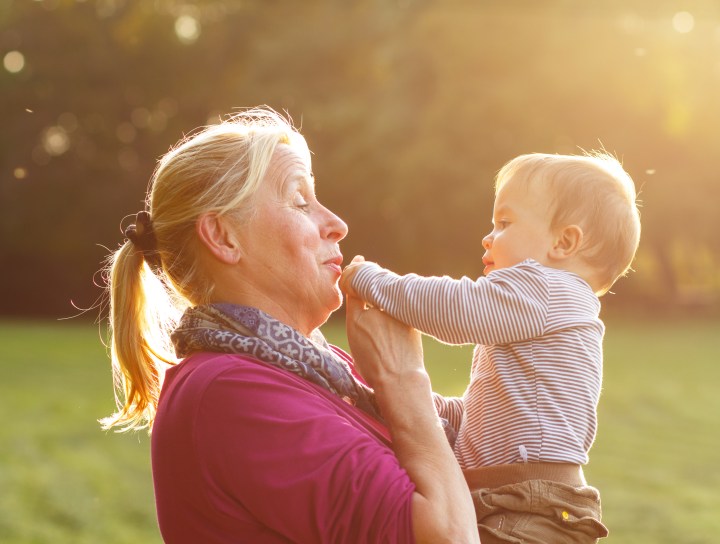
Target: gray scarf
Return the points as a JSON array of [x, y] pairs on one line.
[[230, 328]]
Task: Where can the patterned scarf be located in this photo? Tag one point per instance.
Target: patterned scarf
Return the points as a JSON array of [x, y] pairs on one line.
[[230, 328]]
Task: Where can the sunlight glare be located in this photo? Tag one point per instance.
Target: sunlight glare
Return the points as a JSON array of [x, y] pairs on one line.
[[683, 22]]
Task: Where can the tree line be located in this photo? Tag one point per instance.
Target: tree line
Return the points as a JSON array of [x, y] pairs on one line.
[[410, 108]]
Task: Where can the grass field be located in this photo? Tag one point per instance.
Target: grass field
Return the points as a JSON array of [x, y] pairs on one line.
[[63, 480]]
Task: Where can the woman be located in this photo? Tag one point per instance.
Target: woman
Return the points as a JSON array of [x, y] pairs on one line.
[[263, 432]]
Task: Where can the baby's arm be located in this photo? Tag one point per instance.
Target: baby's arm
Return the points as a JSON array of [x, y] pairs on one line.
[[509, 308], [450, 408]]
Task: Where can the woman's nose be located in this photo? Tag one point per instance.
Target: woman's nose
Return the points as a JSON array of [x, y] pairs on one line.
[[336, 228]]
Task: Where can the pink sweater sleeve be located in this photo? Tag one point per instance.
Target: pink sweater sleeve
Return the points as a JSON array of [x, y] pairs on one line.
[[296, 460]]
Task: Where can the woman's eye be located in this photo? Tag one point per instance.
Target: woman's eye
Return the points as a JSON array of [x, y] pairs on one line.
[[299, 201]]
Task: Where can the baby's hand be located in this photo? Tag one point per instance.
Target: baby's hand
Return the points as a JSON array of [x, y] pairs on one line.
[[348, 273]]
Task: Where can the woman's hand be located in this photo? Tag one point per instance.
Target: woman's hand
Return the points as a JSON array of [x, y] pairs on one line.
[[347, 275], [384, 350]]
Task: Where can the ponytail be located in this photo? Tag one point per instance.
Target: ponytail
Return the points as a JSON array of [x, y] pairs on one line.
[[142, 315]]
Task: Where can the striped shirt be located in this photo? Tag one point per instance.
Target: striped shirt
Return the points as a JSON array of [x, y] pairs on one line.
[[537, 365]]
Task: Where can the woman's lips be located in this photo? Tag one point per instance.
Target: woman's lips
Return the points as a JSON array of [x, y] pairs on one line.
[[335, 264]]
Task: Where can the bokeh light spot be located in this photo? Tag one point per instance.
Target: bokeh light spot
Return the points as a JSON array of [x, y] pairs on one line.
[[55, 141], [683, 22], [187, 29], [14, 62], [20, 172]]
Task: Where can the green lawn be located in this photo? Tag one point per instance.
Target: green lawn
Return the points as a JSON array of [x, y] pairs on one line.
[[63, 480]]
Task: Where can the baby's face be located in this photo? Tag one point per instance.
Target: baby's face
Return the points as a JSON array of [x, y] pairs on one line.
[[521, 227]]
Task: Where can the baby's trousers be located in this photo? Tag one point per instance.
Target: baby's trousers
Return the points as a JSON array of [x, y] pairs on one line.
[[539, 511]]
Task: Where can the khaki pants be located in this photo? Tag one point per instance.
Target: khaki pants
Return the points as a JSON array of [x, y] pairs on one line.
[[536, 511]]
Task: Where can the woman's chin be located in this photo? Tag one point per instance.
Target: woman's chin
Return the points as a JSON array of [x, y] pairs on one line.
[[337, 302]]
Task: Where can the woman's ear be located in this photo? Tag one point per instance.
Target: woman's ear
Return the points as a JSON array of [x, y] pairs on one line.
[[567, 243], [218, 236]]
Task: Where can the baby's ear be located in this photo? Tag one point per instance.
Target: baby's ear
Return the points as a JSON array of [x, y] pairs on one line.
[[567, 243], [218, 236]]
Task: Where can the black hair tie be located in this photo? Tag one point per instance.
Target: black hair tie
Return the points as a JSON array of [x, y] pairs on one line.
[[142, 235]]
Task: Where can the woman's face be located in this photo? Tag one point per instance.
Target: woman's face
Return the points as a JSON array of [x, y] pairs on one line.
[[291, 259]]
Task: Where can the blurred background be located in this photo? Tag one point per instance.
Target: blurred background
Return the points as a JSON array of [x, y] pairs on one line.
[[410, 108]]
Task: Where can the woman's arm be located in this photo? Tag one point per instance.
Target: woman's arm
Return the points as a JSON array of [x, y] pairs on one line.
[[389, 356]]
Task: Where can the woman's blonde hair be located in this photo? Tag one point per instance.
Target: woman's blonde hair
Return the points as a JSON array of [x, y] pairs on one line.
[[217, 170], [594, 192]]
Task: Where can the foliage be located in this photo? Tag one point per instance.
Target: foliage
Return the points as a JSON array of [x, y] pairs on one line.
[[409, 106]]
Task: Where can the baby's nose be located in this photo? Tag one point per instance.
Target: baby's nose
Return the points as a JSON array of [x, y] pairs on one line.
[[487, 241]]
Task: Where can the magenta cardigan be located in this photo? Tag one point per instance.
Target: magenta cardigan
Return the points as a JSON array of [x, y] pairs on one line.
[[246, 452]]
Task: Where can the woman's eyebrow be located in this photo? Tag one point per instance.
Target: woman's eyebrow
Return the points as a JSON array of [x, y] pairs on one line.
[[297, 181], [305, 180], [289, 184], [309, 179]]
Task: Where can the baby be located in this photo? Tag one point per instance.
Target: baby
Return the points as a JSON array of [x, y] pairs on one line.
[[565, 228]]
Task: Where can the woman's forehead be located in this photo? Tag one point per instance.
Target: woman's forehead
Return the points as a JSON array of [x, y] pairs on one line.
[[288, 165]]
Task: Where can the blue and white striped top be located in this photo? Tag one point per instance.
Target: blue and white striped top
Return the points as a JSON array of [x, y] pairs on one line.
[[537, 367]]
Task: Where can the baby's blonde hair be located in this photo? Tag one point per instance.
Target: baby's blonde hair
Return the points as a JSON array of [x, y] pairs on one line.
[[217, 170], [594, 192]]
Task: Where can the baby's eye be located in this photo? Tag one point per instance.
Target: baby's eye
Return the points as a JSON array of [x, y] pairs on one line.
[[500, 225]]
